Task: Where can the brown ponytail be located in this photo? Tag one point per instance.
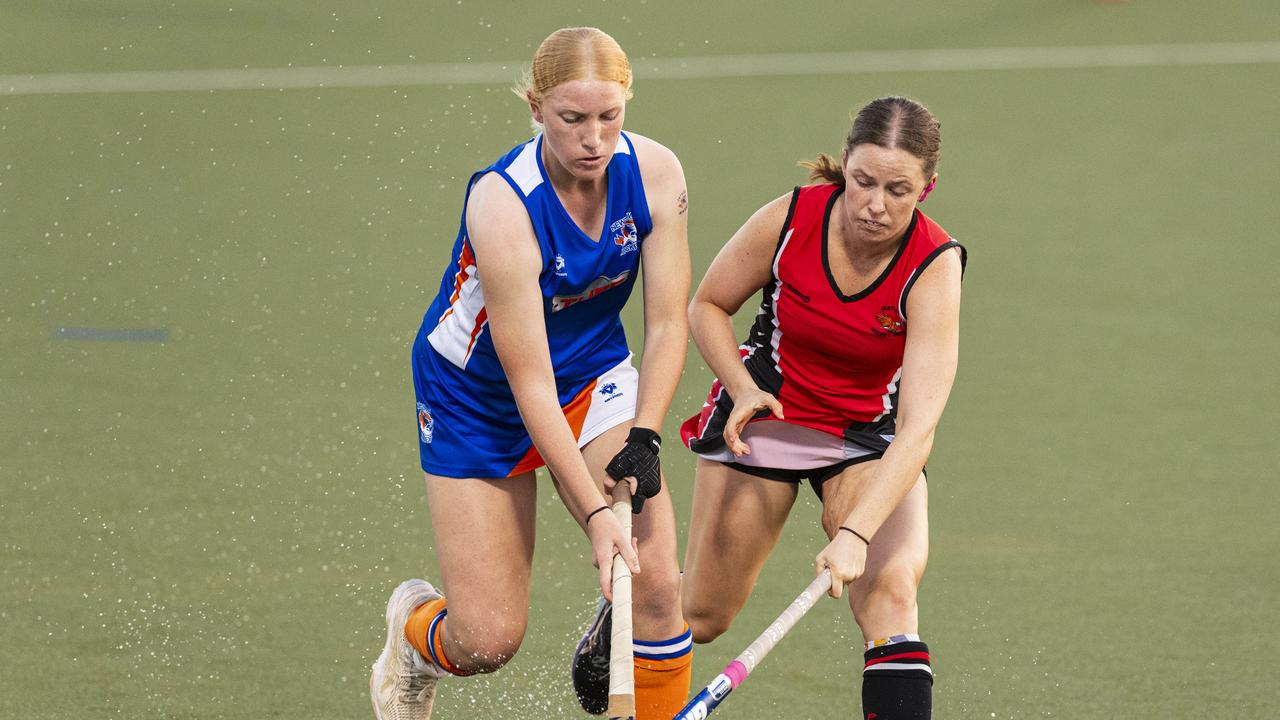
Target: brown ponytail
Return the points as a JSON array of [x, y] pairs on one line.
[[824, 169]]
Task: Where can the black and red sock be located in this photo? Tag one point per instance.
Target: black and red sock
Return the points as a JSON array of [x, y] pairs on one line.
[[897, 682]]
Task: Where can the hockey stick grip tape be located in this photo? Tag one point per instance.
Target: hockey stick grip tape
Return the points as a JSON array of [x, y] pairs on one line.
[[622, 684]]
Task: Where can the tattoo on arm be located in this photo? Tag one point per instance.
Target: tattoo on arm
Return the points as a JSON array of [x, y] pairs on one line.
[[682, 202]]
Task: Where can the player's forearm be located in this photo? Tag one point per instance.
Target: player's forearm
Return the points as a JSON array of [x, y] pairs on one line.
[[896, 473], [929, 368], [544, 420], [661, 364], [712, 330]]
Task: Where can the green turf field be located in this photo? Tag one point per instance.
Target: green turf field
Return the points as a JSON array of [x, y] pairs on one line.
[[208, 527]]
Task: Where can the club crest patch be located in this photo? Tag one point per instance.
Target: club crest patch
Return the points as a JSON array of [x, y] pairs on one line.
[[426, 425], [625, 234], [889, 322]]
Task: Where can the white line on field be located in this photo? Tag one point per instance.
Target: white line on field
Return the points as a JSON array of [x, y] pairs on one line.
[[686, 68]]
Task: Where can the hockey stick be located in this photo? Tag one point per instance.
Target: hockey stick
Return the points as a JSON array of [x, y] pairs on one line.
[[736, 672], [622, 683]]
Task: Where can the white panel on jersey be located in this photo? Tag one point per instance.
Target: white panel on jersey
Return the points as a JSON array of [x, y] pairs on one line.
[[622, 148], [454, 337], [776, 339], [613, 401], [887, 398], [524, 169]]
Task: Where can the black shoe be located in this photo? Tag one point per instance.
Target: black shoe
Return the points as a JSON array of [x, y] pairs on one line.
[[591, 662]]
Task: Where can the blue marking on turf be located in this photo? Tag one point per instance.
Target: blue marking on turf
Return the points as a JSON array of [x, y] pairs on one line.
[[112, 334]]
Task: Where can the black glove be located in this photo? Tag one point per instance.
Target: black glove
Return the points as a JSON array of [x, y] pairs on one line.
[[639, 459]]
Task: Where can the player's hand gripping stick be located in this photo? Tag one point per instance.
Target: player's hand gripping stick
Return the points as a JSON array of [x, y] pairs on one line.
[[639, 459]]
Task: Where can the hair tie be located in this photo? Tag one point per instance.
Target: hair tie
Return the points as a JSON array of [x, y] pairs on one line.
[[855, 533], [587, 520]]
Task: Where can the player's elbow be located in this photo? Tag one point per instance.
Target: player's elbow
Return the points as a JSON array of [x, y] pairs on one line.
[[692, 312], [704, 313], [666, 329]]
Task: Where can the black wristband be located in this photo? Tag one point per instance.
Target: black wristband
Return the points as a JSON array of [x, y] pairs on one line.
[[646, 437], [587, 520], [855, 533]]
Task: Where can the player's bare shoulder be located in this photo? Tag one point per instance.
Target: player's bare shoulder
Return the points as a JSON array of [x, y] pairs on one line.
[[754, 244], [659, 168], [494, 203], [497, 219], [774, 213], [654, 158], [766, 224], [490, 194]]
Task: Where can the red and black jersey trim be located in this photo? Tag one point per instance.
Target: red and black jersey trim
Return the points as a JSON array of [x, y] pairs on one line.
[[712, 437], [928, 260], [759, 359], [758, 353], [871, 434], [786, 223]]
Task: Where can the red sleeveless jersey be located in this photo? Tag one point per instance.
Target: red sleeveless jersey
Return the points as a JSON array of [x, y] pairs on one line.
[[832, 360]]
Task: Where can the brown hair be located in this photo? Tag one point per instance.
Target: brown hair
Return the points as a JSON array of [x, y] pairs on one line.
[[890, 122], [575, 53]]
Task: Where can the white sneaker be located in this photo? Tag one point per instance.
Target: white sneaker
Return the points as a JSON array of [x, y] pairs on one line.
[[403, 683]]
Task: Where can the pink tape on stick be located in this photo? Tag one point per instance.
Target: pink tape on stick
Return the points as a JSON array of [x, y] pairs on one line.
[[736, 672]]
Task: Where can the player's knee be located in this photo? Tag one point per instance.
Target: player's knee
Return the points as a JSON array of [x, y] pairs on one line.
[[659, 600], [891, 594], [705, 628], [488, 655], [706, 622], [485, 652]]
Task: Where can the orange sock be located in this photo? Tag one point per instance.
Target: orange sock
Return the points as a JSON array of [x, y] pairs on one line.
[[423, 631], [663, 671]]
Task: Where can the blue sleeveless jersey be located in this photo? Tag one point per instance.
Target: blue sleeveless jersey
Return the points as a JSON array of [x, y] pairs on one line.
[[585, 283]]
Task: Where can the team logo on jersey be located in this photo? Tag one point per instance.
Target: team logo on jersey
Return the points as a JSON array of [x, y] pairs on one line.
[[889, 322], [560, 267], [426, 426], [597, 286], [625, 234], [610, 391]]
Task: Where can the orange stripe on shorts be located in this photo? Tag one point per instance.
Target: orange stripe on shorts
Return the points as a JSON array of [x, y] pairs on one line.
[[575, 411]]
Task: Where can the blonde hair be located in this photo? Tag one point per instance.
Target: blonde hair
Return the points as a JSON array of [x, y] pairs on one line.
[[575, 53]]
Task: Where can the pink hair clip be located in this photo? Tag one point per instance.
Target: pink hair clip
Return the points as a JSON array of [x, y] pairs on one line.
[[927, 188]]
